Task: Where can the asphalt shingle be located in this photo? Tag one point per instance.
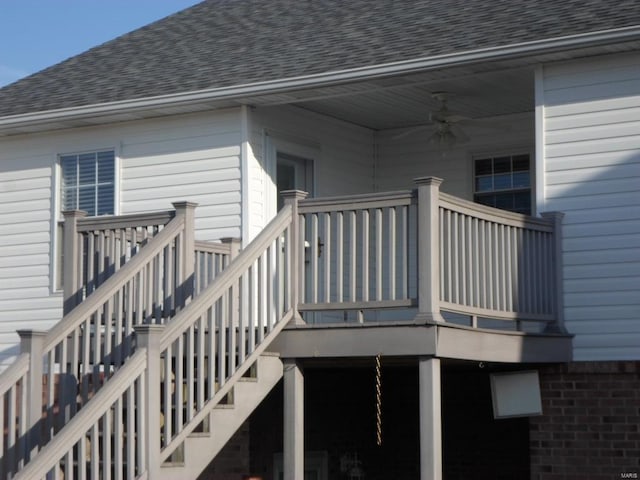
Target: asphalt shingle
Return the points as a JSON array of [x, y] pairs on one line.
[[222, 43]]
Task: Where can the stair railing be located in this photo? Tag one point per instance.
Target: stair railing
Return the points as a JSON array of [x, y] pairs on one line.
[[195, 359], [67, 365]]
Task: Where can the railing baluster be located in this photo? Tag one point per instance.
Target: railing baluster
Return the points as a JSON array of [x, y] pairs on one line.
[[365, 255], [326, 251], [391, 228], [353, 255], [314, 240], [378, 240], [339, 256]]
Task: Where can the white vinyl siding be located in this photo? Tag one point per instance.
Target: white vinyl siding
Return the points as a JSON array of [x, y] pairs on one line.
[[592, 174], [25, 231], [191, 157]]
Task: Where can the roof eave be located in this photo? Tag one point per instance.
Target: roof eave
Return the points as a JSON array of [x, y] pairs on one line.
[[533, 48]]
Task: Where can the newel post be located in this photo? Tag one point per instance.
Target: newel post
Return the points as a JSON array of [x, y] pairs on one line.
[[188, 253], [32, 342], [428, 250], [558, 267], [71, 272], [296, 251], [148, 337]]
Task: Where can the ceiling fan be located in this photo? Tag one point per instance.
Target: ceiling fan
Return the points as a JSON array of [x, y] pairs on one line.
[[443, 123]]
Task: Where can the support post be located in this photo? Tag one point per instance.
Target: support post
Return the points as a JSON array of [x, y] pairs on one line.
[[234, 246], [296, 250], [148, 337], [71, 272], [428, 250], [293, 421], [187, 210], [558, 282], [430, 419], [32, 342]]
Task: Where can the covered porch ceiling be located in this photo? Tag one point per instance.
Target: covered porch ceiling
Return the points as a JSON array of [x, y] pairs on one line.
[[407, 101]]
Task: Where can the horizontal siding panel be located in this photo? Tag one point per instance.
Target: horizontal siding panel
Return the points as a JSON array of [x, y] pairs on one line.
[[26, 184], [186, 144], [577, 313], [26, 288], [597, 186], [595, 215], [602, 242], [629, 269], [573, 94], [620, 144], [577, 70], [582, 174], [605, 354], [613, 326], [600, 228], [579, 202], [604, 284], [23, 259], [222, 192], [24, 271], [603, 299], [600, 76], [591, 119], [602, 257], [204, 160], [38, 238], [216, 178], [591, 106], [13, 219], [47, 315], [595, 160], [604, 132], [629, 339]]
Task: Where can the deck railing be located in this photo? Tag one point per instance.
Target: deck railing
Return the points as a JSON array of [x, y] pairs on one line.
[[428, 250]]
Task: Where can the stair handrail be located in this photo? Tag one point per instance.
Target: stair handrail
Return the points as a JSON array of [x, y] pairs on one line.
[[141, 371], [275, 240], [80, 427], [56, 353]]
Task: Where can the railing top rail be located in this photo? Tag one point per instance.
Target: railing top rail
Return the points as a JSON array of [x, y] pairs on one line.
[[88, 224], [357, 202], [87, 416], [212, 247], [71, 321], [494, 214], [13, 372], [229, 275]]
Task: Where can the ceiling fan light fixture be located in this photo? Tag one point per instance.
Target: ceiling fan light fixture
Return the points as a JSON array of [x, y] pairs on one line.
[[443, 137]]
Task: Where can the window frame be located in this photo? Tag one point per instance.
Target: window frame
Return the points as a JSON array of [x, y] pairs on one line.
[[493, 154]]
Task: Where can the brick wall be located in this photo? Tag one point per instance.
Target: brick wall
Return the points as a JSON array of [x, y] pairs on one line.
[[590, 429]]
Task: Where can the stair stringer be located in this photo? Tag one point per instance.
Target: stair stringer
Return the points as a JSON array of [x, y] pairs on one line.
[[200, 449]]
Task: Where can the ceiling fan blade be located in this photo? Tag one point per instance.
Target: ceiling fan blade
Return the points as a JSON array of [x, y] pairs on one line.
[[411, 131]]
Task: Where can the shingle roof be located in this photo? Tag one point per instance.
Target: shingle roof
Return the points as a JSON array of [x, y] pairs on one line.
[[220, 43]]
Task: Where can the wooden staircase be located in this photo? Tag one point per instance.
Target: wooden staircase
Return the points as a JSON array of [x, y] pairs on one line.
[[192, 360]]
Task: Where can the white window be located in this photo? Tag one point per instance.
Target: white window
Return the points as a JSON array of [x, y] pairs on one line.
[[503, 182], [88, 182]]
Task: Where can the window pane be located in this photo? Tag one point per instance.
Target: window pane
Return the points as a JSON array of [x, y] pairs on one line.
[[521, 180], [502, 165], [502, 182], [484, 167], [87, 169], [504, 201], [69, 171], [69, 199], [489, 200], [484, 184], [87, 199], [106, 167], [105, 200], [522, 202], [521, 163]]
